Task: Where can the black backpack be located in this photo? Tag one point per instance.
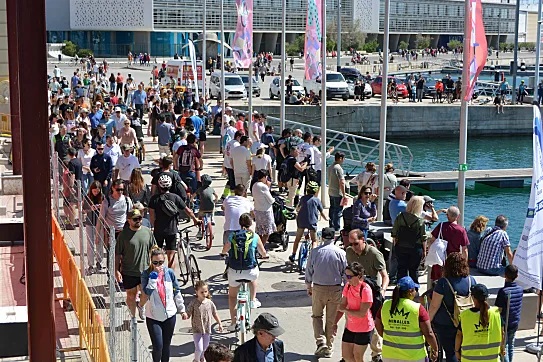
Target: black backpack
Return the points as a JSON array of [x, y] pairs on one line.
[[288, 170], [408, 236], [378, 298]]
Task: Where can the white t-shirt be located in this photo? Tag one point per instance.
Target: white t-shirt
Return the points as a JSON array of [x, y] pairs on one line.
[[226, 121], [252, 125], [262, 197], [231, 131], [119, 121], [234, 207], [228, 152], [305, 150], [86, 158], [367, 179], [126, 165], [240, 155], [263, 163], [178, 144], [317, 157], [114, 152]]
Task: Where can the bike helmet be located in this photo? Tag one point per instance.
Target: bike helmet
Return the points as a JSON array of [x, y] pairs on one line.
[[312, 185], [206, 180], [165, 181]]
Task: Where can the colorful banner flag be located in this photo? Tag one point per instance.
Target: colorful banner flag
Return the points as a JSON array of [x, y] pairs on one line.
[[529, 254], [243, 38], [477, 50], [192, 53], [313, 36]]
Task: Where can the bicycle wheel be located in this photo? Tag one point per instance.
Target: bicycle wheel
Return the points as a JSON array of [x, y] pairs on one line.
[[194, 270], [182, 261], [209, 235], [242, 312], [302, 257], [202, 230]]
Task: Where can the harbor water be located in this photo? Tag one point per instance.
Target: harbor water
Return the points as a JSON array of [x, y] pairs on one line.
[[483, 154]]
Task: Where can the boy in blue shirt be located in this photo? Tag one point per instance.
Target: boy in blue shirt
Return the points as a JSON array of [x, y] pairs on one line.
[[514, 292]]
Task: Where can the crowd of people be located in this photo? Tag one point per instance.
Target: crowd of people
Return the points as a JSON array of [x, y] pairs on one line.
[[98, 149]]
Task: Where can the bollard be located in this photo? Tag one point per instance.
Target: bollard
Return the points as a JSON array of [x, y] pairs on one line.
[[82, 231], [111, 287], [134, 340]]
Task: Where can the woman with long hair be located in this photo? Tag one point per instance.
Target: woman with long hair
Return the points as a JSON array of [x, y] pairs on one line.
[[355, 303], [368, 178], [479, 336], [85, 156], [364, 210], [456, 282], [263, 200], [261, 162], [402, 322], [409, 234], [476, 232], [91, 209], [159, 284], [137, 189]]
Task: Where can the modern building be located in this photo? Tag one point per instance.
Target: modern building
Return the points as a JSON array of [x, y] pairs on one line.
[[163, 27]]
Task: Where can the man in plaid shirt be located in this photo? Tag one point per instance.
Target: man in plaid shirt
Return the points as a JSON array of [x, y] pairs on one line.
[[494, 243]]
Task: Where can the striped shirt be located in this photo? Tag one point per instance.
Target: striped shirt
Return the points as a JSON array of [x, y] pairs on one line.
[[492, 247]]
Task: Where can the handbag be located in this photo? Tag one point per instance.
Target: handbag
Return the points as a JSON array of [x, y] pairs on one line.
[[460, 303]]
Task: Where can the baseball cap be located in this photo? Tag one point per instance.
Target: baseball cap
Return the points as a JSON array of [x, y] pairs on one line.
[[98, 103], [262, 146], [268, 323], [228, 108], [139, 206], [479, 291], [328, 233], [126, 147], [134, 213], [84, 110], [407, 283], [118, 109], [428, 199], [255, 112]]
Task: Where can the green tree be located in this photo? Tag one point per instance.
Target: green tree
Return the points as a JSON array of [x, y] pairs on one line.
[[422, 42], [296, 46], [351, 35], [70, 49], [84, 53], [371, 46], [403, 45], [454, 44]]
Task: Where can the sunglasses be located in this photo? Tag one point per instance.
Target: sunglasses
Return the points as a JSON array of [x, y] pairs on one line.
[[136, 219], [367, 193], [121, 189], [100, 149], [158, 262], [127, 124], [349, 277]]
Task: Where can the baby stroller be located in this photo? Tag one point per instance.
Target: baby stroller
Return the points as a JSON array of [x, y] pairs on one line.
[[281, 214]]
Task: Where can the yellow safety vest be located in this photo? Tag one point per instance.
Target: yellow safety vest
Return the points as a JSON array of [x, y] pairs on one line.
[[402, 336], [480, 343]]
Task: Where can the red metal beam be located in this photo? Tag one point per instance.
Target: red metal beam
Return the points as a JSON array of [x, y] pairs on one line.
[[14, 103], [32, 69]]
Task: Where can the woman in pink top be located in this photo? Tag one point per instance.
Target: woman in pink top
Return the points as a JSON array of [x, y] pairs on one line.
[[127, 135], [355, 303]]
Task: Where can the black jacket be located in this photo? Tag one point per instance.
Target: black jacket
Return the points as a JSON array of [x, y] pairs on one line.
[[247, 351], [102, 162]]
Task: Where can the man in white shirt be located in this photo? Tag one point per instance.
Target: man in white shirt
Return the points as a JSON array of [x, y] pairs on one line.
[[57, 72], [119, 118], [227, 163], [182, 141], [317, 154], [241, 162], [234, 206], [125, 164], [112, 149]]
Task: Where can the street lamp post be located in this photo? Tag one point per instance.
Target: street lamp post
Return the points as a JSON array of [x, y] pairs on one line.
[[338, 35], [498, 53]]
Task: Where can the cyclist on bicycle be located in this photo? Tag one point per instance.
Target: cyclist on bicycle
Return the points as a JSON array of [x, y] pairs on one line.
[[309, 209], [165, 207], [136, 124], [242, 264]]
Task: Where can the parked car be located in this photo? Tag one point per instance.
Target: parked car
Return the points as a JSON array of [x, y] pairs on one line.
[[350, 72], [233, 86], [256, 86], [275, 87], [351, 79], [377, 83], [336, 86]]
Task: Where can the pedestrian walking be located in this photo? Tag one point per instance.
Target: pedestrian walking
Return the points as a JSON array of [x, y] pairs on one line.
[[160, 287], [91, 209], [336, 190], [324, 275]]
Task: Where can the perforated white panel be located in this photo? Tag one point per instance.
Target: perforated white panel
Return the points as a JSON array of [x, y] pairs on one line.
[[366, 12], [111, 15]]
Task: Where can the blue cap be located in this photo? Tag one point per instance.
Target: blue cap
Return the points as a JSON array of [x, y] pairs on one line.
[[407, 283]]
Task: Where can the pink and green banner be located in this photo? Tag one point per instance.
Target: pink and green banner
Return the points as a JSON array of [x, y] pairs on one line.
[[313, 36], [243, 38]]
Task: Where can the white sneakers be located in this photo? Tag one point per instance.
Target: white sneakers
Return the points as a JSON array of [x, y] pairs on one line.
[[255, 304]]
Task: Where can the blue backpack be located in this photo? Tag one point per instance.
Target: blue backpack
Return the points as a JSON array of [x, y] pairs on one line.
[[242, 254]]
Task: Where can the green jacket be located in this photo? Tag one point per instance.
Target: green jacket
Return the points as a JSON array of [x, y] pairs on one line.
[[407, 219]]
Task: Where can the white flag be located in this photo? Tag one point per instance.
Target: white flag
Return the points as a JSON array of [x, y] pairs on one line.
[[529, 254], [192, 52]]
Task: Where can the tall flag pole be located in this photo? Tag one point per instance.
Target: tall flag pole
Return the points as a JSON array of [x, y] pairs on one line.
[[243, 43], [194, 64], [204, 51], [474, 52]]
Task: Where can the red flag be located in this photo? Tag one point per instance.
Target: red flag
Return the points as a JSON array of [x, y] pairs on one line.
[[477, 47]]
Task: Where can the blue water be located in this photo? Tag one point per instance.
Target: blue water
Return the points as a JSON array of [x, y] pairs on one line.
[[483, 153]]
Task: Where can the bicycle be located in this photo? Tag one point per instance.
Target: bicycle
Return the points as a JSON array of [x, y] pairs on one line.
[[188, 266], [243, 310], [138, 150], [206, 230], [303, 253]]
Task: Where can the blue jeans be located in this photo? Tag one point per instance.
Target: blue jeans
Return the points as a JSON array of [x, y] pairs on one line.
[[161, 334], [193, 184], [446, 336], [510, 344], [336, 211], [493, 271], [86, 181]]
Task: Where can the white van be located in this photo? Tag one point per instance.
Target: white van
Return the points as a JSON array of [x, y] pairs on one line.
[[336, 86], [233, 86]]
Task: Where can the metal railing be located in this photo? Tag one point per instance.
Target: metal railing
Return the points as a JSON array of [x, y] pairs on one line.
[[88, 234], [358, 149]]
